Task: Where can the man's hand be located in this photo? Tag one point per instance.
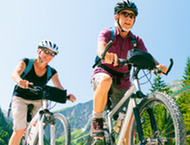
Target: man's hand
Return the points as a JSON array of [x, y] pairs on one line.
[[111, 58], [163, 68]]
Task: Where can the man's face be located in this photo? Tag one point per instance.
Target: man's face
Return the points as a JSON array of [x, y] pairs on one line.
[[126, 19]]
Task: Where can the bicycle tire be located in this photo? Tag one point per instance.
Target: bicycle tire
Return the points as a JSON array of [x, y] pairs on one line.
[[161, 103], [62, 131]]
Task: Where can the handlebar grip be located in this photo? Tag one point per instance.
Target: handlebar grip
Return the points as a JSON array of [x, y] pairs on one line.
[[106, 49], [169, 68]]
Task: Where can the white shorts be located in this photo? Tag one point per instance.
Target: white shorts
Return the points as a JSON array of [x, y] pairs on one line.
[[19, 111]]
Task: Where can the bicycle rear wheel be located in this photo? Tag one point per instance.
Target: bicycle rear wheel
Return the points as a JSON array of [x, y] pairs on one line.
[[168, 121], [57, 131]]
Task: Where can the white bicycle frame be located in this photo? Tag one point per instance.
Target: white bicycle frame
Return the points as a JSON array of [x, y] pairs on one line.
[[133, 89], [39, 127]]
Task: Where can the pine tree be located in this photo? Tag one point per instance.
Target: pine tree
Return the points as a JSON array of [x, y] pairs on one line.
[[184, 100], [186, 76], [160, 85], [5, 129]]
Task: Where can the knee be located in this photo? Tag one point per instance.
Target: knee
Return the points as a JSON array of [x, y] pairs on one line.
[[106, 82]]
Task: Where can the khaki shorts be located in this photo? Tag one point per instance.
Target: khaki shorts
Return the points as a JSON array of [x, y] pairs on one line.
[[115, 93], [19, 111]]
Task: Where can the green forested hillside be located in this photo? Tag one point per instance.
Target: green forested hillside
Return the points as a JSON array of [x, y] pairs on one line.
[[5, 129], [78, 115]]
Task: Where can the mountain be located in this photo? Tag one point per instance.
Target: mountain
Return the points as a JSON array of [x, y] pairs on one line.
[[175, 85], [78, 115]]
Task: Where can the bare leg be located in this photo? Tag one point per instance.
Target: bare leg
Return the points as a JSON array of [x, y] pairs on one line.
[[101, 94], [16, 137]]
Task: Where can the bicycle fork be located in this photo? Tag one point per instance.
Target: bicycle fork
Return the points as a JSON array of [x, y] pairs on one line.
[[45, 118], [139, 125]]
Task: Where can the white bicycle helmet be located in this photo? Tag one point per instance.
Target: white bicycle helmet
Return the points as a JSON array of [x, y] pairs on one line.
[[49, 45]]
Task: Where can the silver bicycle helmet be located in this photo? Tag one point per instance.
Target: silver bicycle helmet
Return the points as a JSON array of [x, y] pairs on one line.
[[49, 45]]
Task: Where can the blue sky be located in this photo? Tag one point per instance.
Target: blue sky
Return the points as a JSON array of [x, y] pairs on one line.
[[75, 25]]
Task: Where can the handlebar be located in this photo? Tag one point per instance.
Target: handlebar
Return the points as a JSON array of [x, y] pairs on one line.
[[50, 93], [103, 54], [35, 88], [123, 62], [106, 49]]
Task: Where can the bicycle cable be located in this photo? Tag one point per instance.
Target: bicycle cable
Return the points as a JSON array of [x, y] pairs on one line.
[[148, 79], [146, 75], [51, 107]]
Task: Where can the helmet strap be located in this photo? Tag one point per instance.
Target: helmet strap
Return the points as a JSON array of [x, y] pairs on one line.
[[41, 60], [39, 50], [120, 26]]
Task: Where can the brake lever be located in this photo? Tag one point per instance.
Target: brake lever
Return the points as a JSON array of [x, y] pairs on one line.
[[122, 62]]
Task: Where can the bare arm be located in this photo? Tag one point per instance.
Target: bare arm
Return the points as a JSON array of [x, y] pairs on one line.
[[18, 71], [101, 47], [56, 82], [109, 57], [16, 75]]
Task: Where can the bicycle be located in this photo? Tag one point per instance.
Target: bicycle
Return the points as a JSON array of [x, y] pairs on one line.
[[46, 128], [141, 122]]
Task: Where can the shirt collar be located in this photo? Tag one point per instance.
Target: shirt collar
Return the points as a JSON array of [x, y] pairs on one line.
[[129, 35]]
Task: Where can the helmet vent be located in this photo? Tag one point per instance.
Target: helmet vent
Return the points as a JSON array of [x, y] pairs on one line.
[[129, 1], [49, 45]]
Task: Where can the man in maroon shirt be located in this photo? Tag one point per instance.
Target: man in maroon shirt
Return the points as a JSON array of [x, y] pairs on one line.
[[103, 80]]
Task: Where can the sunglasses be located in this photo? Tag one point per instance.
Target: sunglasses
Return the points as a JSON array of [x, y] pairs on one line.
[[47, 52], [126, 14]]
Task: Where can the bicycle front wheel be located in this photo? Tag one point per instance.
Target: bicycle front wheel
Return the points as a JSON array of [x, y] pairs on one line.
[[162, 121], [56, 131]]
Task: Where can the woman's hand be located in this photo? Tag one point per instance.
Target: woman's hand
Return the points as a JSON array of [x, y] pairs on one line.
[[24, 84], [71, 97]]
